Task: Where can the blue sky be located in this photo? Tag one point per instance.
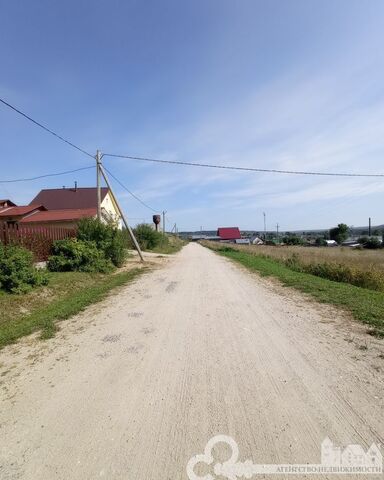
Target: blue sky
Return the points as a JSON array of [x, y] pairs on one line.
[[280, 84]]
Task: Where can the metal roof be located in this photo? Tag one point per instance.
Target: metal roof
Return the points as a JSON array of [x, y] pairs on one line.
[[69, 198], [8, 202], [19, 211], [228, 233], [63, 215]]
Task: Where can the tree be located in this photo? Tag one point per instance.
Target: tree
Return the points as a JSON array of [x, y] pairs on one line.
[[339, 233], [292, 240]]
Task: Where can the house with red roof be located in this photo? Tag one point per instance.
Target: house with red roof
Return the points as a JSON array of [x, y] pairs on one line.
[[66, 206], [6, 203], [13, 214], [67, 217], [229, 234], [62, 207]]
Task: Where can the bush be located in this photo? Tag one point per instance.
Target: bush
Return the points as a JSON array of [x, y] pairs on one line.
[[293, 240], [148, 238], [370, 242], [73, 254], [321, 242], [106, 237], [17, 272]]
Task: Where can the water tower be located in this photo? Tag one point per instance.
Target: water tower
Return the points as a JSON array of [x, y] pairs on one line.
[[156, 221]]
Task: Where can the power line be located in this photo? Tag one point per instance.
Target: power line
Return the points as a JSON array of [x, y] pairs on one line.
[[246, 169], [127, 189], [45, 128], [45, 176]]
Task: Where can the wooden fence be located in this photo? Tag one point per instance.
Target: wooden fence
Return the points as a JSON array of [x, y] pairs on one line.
[[35, 238]]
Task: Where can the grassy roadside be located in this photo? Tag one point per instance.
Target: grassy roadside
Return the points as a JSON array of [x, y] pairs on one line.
[[67, 294], [365, 305], [171, 245]]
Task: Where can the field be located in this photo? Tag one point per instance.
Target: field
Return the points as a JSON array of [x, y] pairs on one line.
[[367, 260], [362, 268]]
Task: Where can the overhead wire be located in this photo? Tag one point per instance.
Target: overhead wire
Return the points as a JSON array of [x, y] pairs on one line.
[[245, 169], [46, 175], [45, 128], [129, 191]]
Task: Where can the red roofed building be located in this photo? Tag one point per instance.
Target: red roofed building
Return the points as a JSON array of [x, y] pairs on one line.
[[13, 215], [6, 203], [82, 199], [64, 218], [228, 233], [60, 198]]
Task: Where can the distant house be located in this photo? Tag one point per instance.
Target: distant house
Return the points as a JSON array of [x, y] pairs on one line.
[[67, 205], [6, 203], [242, 241], [12, 215], [67, 217], [228, 233], [331, 243], [257, 241]]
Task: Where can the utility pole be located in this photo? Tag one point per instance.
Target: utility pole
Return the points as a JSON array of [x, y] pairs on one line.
[[277, 232], [265, 227], [131, 234], [98, 172], [369, 227], [164, 212]]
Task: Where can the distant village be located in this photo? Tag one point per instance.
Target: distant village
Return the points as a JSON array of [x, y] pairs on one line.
[[65, 207], [355, 238]]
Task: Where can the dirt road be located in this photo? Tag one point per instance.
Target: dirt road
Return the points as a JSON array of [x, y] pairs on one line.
[[136, 385]]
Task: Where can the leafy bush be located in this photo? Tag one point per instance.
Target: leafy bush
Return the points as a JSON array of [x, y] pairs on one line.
[[321, 242], [106, 237], [73, 254], [17, 272], [370, 242], [148, 238]]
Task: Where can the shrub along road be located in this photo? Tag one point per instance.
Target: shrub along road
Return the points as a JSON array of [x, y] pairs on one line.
[[137, 384]]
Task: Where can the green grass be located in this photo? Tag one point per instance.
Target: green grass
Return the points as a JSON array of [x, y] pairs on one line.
[[170, 245], [67, 294], [365, 305]]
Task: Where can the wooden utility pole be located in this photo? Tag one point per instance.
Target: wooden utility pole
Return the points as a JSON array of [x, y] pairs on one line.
[[98, 184], [265, 227], [131, 234], [277, 232], [164, 212]]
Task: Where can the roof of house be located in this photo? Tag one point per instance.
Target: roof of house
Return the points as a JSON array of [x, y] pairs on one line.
[[228, 233], [64, 215], [69, 198], [20, 211], [8, 202]]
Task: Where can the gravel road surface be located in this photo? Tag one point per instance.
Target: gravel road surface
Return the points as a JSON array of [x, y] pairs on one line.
[[136, 385]]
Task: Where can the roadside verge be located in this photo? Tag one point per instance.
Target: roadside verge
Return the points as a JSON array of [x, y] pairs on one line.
[[67, 294]]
